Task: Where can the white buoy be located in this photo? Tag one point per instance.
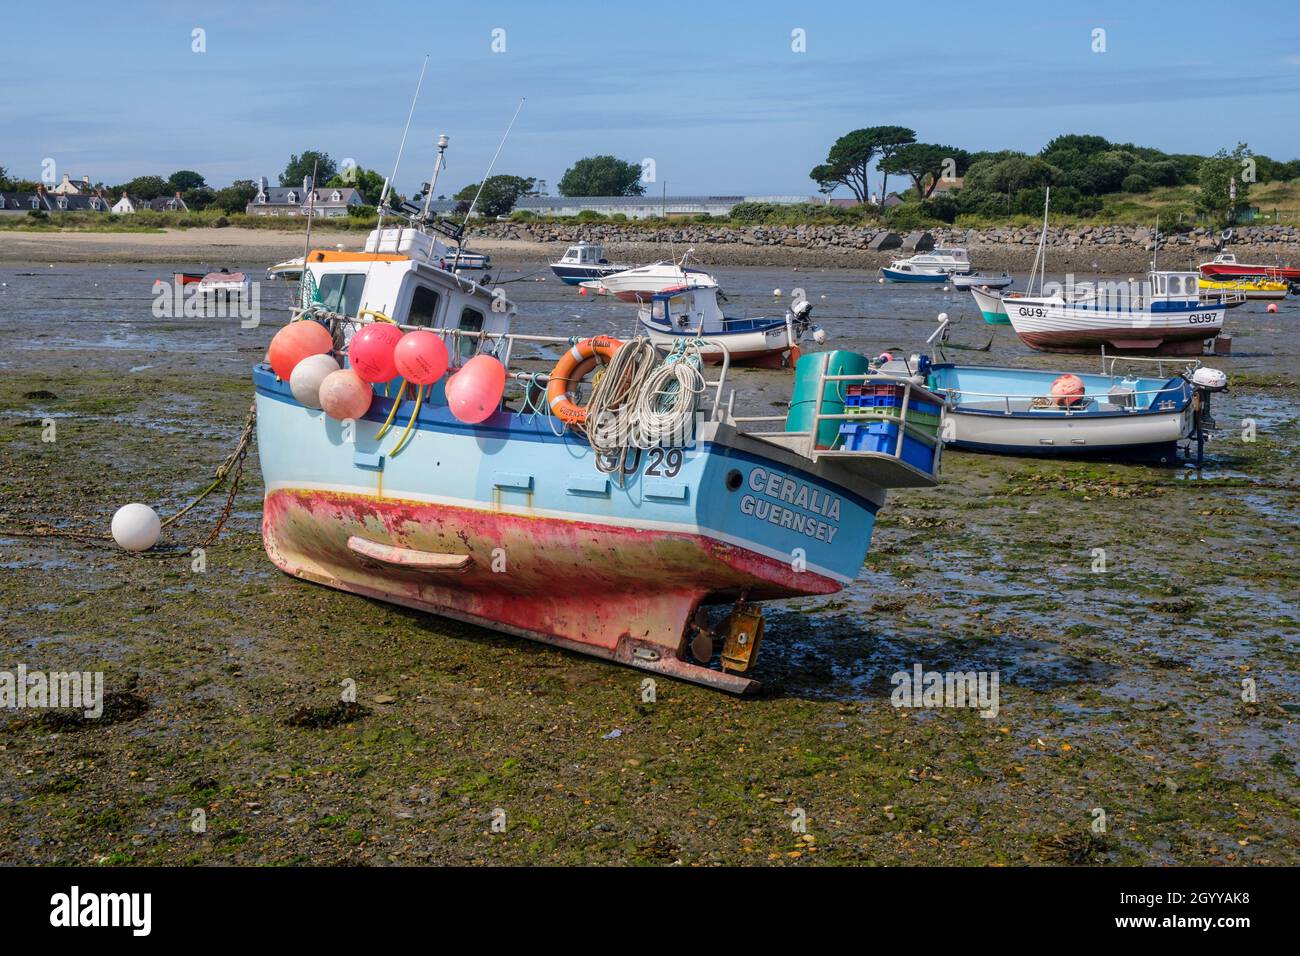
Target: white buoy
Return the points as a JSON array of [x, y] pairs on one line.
[[776, 291], [136, 527], [946, 289], [306, 377], [943, 316], [881, 280]]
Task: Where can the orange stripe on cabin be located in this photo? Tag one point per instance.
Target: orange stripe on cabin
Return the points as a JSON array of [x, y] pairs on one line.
[[327, 255]]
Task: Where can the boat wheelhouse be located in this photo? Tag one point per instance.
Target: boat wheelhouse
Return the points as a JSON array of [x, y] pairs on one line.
[[689, 313], [584, 262]]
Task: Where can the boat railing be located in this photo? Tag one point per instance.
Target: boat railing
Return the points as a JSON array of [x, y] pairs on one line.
[[1187, 367], [1051, 402], [500, 345]]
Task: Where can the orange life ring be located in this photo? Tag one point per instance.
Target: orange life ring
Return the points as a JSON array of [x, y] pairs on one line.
[[571, 369]]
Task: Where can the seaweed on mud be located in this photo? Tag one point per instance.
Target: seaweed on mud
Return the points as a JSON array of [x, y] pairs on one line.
[[1073, 849], [119, 707], [317, 718]]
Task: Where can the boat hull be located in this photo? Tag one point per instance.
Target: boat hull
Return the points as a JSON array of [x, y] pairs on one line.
[[894, 275], [511, 526], [1147, 435], [573, 275], [991, 306], [767, 348], [1246, 271], [1054, 326]]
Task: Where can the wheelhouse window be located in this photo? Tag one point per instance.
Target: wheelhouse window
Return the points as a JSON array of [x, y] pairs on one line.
[[341, 291], [424, 307], [471, 320]]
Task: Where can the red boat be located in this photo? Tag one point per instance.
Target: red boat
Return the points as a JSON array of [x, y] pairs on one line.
[[1226, 266]]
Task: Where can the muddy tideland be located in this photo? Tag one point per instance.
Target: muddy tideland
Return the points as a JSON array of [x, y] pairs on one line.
[[1141, 622]]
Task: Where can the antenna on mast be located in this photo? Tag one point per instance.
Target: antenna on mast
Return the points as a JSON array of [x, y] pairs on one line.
[[443, 142], [388, 183], [469, 212]]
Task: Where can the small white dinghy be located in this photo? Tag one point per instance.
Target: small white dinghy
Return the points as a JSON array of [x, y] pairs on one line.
[[981, 281]]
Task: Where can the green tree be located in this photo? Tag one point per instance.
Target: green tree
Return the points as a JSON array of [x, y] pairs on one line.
[[184, 180], [198, 198], [1224, 194], [926, 164], [300, 167], [144, 187], [368, 182], [601, 176], [500, 193], [851, 157], [889, 140], [236, 196]]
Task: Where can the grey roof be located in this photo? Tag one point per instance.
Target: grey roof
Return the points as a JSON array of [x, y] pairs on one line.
[[279, 196], [50, 202]]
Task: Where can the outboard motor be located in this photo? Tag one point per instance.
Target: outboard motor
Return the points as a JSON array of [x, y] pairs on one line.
[[1205, 382]]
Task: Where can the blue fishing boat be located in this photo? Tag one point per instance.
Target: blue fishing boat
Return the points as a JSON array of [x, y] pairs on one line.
[[1041, 412], [607, 523]]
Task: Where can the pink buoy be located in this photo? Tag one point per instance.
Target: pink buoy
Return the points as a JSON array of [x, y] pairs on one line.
[[295, 342], [1068, 389], [1272, 307], [344, 395], [371, 352], [420, 357], [475, 391]]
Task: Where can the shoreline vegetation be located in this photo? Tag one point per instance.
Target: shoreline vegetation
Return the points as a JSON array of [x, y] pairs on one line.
[[1278, 204]]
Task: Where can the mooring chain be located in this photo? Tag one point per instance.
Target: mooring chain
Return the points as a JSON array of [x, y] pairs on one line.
[[234, 463]]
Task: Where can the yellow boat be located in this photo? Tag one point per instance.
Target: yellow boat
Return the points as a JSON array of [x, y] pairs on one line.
[[1250, 288]]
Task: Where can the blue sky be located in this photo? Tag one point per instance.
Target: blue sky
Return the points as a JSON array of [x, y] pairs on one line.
[[713, 92]]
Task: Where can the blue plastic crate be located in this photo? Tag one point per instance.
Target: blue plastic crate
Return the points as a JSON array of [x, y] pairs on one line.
[[883, 437], [891, 401]]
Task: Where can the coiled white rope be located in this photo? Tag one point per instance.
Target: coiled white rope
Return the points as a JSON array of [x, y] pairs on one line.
[[639, 402]]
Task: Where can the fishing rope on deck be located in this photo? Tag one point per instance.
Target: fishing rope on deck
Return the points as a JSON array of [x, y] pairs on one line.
[[639, 402]]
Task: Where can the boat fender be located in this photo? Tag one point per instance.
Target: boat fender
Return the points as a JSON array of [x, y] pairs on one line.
[[1210, 379], [573, 366], [1068, 389]]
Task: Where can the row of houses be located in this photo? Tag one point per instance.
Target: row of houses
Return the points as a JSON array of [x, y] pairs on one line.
[[43, 200], [329, 202]]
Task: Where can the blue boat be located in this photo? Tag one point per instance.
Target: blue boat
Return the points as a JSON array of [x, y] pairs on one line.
[[1042, 412], [935, 266], [584, 262], [611, 535]]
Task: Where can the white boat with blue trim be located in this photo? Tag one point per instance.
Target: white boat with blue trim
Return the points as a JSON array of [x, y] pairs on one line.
[[689, 313], [936, 266]]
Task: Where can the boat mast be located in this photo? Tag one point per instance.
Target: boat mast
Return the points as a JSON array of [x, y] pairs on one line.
[[1040, 258]]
